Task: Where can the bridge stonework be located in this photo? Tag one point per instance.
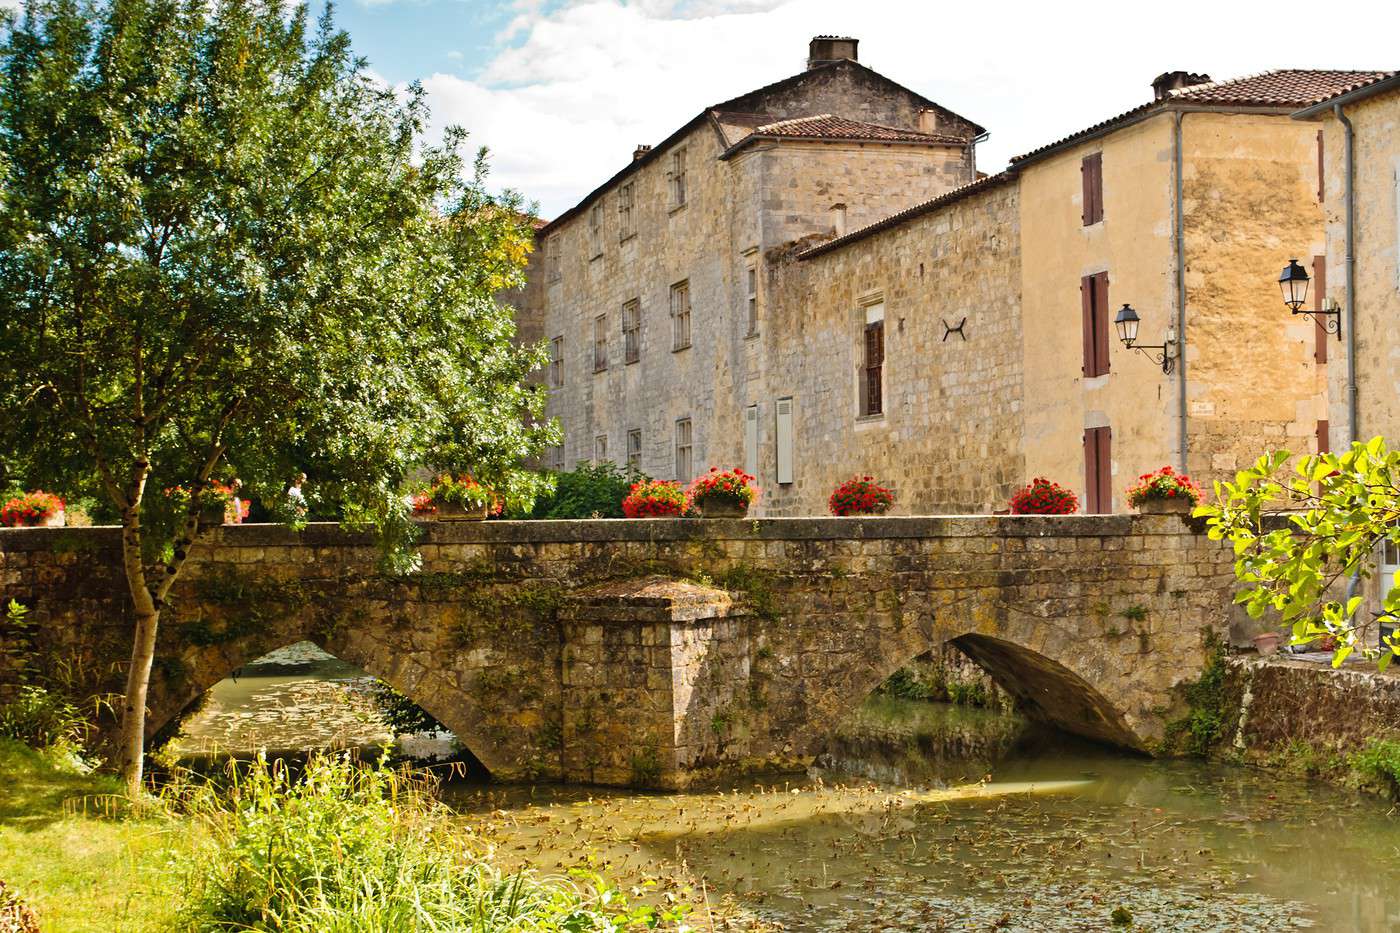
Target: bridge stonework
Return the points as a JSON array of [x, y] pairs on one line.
[[654, 652]]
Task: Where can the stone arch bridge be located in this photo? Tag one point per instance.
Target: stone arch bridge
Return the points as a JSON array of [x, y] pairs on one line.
[[653, 652]]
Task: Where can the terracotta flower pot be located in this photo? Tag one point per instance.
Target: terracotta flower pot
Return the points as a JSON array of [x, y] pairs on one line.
[[213, 513], [457, 512], [54, 520], [1177, 505], [722, 508], [1267, 643]]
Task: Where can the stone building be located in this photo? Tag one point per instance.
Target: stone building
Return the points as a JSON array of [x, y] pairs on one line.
[[838, 291]]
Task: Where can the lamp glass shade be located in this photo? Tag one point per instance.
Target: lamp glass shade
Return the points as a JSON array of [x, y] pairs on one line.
[[1127, 322], [1294, 285]]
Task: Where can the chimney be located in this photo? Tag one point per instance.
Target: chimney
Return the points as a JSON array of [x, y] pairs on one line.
[[824, 50], [641, 150], [1169, 81]]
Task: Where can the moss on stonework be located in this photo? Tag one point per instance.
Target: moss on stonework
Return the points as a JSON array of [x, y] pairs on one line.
[[1198, 732], [646, 767], [754, 585]]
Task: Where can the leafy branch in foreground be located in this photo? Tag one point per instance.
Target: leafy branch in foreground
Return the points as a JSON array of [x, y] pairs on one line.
[[1299, 534]]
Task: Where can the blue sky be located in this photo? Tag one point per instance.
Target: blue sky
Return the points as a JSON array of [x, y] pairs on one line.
[[562, 90]]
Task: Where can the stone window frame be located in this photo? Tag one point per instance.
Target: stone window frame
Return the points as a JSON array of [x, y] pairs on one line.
[[685, 450], [553, 268], [626, 201], [595, 230], [600, 448], [634, 448], [631, 331], [556, 362], [680, 316], [870, 321], [556, 458], [752, 308], [676, 178], [600, 343]]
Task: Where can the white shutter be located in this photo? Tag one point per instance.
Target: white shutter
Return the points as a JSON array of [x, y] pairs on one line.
[[784, 440], [751, 440]]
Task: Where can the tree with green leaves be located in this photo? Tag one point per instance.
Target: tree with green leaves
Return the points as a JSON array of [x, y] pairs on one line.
[[227, 250], [1302, 534]]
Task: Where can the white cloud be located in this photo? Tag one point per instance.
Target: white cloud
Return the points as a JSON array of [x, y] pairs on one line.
[[563, 106]]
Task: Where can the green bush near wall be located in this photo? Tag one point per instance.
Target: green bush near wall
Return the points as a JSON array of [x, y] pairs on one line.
[[586, 492]]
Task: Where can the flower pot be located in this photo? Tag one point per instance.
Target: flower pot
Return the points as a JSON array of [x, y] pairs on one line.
[[722, 508], [213, 513], [1177, 505], [1267, 643], [54, 520], [457, 512]]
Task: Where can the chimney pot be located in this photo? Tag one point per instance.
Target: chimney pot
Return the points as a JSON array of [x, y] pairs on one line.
[[641, 150], [1169, 81], [823, 50]]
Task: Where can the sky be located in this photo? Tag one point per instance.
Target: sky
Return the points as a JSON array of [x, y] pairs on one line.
[[562, 91]]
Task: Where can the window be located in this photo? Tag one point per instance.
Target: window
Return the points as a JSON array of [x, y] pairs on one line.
[[1093, 296], [595, 230], [684, 470], [678, 177], [556, 362], [551, 258], [680, 315], [751, 440], [624, 212], [632, 331], [1091, 175], [556, 458], [1319, 272], [600, 343], [783, 434], [634, 448], [1098, 470], [600, 448], [872, 367], [751, 274]]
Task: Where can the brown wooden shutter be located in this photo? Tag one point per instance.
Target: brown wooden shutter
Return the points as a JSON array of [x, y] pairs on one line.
[[1091, 471], [1101, 322], [1091, 180], [874, 363], [1321, 173], [1086, 299], [1086, 197], [1104, 441], [1324, 438], [1319, 272]]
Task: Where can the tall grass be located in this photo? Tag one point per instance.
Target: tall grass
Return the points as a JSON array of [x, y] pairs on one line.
[[348, 848]]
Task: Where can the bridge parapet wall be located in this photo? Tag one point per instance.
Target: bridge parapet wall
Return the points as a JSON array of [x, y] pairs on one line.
[[536, 643]]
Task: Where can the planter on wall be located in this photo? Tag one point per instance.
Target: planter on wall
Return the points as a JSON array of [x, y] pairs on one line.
[[213, 513], [456, 512], [1178, 505], [1267, 643], [722, 508]]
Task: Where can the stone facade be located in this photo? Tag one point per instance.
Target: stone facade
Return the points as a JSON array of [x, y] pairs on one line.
[[968, 415], [653, 652]]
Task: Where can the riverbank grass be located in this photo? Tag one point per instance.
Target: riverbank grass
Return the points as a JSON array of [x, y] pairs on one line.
[[66, 846]]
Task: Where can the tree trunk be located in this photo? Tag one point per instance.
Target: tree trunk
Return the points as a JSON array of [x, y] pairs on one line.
[[132, 738]]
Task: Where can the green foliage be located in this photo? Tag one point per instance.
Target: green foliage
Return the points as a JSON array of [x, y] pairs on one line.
[[403, 715], [907, 683], [586, 492], [1340, 508], [646, 767], [1134, 613], [17, 645], [1379, 762], [43, 720], [227, 250], [1198, 731], [360, 849]]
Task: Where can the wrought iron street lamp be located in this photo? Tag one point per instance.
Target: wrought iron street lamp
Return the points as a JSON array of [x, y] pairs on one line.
[[1293, 282], [1127, 323]]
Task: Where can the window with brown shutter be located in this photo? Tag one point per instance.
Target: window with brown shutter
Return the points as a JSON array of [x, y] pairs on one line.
[[1091, 175], [1319, 272], [1324, 438], [1098, 471], [873, 370], [1093, 297], [1321, 172]]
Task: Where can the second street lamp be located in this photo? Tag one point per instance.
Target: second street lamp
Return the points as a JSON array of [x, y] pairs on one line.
[[1127, 323]]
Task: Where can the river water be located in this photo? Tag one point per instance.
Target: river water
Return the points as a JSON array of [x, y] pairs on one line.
[[924, 817]]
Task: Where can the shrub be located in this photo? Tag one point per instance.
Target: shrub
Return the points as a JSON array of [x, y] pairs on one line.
[[587, 492], [42, 719], [1164, 484], [655, 499], [1379, 761], [731, 486], [31, 508], [1042, 497], [460, 490], [860, 495], [352, 848], [403, 715]]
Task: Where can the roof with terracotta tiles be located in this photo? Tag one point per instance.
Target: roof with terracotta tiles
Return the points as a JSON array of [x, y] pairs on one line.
[[826, 127], [1378, 82], [1283, 89]]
